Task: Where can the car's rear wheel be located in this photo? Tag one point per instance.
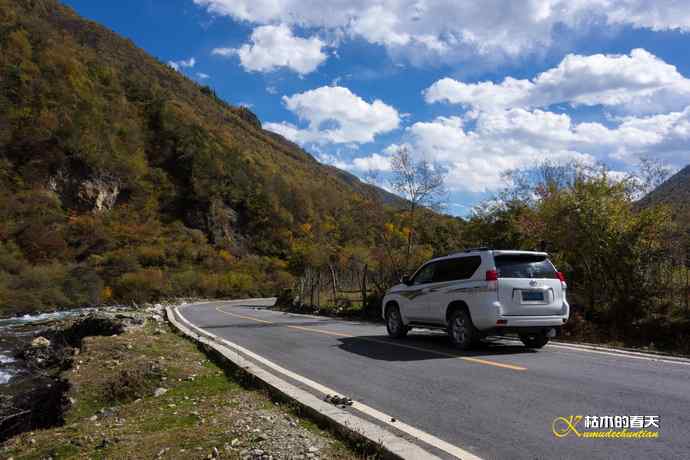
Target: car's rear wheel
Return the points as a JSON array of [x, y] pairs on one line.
[[534, 340], [461, 331], [394, 324]]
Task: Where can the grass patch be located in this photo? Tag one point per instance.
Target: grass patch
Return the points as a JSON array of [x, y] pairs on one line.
[[116, 415]]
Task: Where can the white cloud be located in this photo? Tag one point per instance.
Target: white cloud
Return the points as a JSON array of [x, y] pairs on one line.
[[508, 139], [373, 162], [202, 76], [510, 127], [333, 160], [225, 52], [182, 64], [456, 29], [335, 115], [275, 46], [637, 83]]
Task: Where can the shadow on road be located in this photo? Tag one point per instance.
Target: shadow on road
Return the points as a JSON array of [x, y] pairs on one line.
[[422, 347]]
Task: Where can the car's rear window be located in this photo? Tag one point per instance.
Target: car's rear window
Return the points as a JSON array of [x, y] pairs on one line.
[[524, 266]]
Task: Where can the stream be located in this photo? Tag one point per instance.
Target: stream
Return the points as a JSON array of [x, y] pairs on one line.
[[17, 332]]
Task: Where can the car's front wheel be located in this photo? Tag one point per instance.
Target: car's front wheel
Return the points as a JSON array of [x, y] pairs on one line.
[[461, 331], [534, 340], [394, 324]]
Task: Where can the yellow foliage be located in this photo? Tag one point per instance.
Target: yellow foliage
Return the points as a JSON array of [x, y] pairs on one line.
[[226, 256], [107, 293], [18, 48]]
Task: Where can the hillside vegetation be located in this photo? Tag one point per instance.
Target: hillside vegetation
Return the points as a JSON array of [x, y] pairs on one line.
[[121, 180]]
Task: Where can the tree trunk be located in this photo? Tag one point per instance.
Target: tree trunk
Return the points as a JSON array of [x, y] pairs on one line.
[[311, 287], [687, 289], [302, 282], [335, 284], [318, 289], [409, 238], [364, 287]]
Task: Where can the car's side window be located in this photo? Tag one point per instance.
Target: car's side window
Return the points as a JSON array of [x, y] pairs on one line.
[[459, 268], [425, 274]]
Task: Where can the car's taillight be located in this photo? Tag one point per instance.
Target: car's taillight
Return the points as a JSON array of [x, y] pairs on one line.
[[561, 277], [492, 278]]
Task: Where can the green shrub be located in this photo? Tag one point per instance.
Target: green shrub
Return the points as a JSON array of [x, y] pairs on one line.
[[186, 283], [37, 288], [136, 381], [145, 285]]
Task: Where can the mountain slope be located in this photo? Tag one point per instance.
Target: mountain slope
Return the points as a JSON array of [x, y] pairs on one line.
[[674, 192], [120, 179]]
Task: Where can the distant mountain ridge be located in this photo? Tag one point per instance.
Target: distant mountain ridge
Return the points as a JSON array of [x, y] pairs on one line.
[[674, 192]]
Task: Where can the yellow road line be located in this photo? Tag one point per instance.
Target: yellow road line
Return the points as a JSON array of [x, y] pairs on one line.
[[385, 342], [245, 317], [320, 331], [494, 363]]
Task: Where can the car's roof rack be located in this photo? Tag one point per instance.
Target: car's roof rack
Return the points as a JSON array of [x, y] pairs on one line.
[[483, 248]]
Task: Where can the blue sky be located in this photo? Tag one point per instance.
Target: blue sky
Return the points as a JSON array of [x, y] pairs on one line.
[[479, 87]]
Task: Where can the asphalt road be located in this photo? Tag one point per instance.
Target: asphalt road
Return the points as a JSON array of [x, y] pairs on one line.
[[496, 402]]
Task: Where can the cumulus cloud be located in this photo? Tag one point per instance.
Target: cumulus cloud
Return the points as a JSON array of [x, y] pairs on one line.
[[373, 162], [334, 114], [275, 46], [508, 139], [512, 126], [457, 28], [182, 64], [637, 83]]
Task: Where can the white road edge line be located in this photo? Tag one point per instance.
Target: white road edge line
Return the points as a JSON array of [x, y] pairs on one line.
[[618, 353], [370, 411]]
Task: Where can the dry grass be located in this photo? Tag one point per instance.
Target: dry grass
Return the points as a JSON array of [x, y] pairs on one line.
[[115, 415]]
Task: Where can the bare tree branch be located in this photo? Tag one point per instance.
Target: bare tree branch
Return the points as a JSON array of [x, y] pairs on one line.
[[422, 183]]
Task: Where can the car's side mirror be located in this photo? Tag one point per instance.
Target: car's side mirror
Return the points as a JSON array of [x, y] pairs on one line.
[[406, 280]]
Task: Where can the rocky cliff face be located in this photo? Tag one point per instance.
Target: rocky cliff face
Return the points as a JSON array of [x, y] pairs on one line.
[[84, 190], [249, 116], [220, 222]]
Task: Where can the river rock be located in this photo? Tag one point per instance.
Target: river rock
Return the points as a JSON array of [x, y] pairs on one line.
[[40, 342]]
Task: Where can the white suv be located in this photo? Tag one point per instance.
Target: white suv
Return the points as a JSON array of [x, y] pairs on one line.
[[478, 292]]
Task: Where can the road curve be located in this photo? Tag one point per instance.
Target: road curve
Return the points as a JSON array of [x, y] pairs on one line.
[[495, 402]]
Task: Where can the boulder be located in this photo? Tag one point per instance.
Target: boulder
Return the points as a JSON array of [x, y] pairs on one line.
[[40, 342]]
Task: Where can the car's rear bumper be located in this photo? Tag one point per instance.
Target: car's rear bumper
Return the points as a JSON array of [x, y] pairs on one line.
[[550, 325], [530, 321]]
